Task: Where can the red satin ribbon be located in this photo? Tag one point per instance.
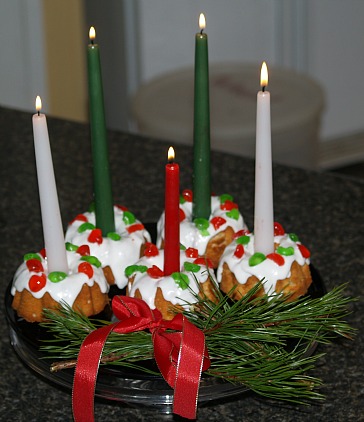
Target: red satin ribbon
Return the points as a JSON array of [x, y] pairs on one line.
[[181, 356]]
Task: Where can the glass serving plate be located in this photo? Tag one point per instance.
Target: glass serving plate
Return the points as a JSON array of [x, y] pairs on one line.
[[117, 383]]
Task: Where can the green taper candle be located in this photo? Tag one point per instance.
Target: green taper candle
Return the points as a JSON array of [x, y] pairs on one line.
[[201, 129], [100, 153]]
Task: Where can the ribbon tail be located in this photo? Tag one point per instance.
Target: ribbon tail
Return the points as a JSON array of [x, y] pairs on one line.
[[189, 370], [84, 381]]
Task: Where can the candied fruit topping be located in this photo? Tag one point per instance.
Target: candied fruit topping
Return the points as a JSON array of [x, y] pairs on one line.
[[155, 272], [86, 268], [289, 251], [95, 236], [37, 282], [181, 280], [128, 218], [239, 251], [57, 276], [256, 259], [113, 236], [83, 250], [277, 258], [34, 265], [243, 240], [131, 269], [193, 268], [203, 261], [92, 260], [32, 256], [85, 226], [293, 237], [304, 251], [187, 195], [225, 197], [135, 228], [191, 253], [79, 217], [278, 229], [71, 247], [150, 250], [217, 222]]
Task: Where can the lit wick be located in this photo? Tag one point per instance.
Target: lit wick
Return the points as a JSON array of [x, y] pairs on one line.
[[264, 76], [92, 34], [202, 22]]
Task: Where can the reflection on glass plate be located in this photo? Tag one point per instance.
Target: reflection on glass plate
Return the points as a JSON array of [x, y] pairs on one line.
[[115, 383]]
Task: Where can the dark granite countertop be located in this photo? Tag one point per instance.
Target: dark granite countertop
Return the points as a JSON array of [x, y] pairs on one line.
[[326, 210]]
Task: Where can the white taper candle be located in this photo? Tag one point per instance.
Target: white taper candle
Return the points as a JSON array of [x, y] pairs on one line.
[[263, 209], [51, 216]]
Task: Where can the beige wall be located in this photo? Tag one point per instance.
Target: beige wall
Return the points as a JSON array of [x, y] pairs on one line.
[[66, 39]]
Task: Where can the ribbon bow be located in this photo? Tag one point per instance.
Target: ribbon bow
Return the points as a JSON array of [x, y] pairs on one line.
[[181, 356]]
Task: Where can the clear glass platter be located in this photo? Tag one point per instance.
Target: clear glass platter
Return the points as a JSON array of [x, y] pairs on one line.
[[115, 383]]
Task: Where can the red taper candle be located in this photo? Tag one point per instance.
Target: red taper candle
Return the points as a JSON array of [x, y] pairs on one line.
[[171, 209]]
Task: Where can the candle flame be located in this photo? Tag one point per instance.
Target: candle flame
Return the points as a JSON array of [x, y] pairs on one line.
[[38, 103], [92, 33], [171, 154], [264, 75], [202, 22]]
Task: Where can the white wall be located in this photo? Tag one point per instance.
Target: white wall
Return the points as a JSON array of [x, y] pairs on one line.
[[22, 65], [323, 38]]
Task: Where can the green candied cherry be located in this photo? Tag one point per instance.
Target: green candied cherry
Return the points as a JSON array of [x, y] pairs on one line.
[[191, 267], [234, 214], [28, 256], [131, 269], [202, 225], [225, 197], [57, 276], [91, 260], [289, 251], [71, 247], [113, 236], [128, 218], [256, 259], [85, 226], [243, 240], [181, 280], [293, 237]]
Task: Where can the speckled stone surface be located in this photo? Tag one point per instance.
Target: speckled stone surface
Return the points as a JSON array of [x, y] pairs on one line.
[[326, 210]]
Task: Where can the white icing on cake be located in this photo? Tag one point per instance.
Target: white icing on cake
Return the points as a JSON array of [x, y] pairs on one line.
[[65, 290], [172, 292], [191, 236], [117, 254], [268, 269]]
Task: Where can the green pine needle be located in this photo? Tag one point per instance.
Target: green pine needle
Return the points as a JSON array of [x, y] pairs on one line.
[[265, 344]]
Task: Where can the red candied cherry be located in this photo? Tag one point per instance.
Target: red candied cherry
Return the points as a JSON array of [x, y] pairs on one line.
[[182, 215], [37, 282], [304, 251], [191, 253], [43, 253], [135, 228], [86, 268], [228, 205], [241, 233], [203, 261], [239, 251], [155, 272], [122, 207], [277, 258], [150, 250], [187, 195], [34, 265], [84, 250], [95, 236], [278, 229], [218, 222], [79, 217]]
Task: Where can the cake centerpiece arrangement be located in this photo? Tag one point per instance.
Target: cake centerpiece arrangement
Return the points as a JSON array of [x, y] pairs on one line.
[[210, 297]]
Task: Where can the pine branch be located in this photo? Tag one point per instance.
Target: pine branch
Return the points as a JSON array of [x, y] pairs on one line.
[[264, 343]]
